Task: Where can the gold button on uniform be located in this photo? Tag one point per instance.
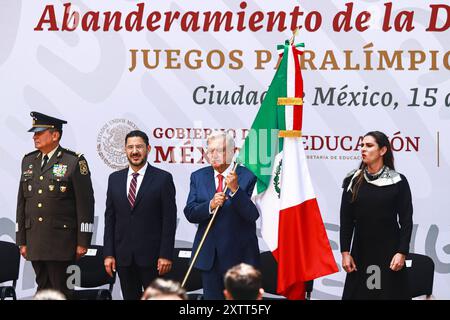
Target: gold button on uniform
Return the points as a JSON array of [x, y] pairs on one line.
[[39, 205], [65, 226], [40, 219], [40, 191], [41, 178]]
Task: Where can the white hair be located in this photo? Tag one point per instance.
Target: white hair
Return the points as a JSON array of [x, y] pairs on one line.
[[49, 294], [222, 135]]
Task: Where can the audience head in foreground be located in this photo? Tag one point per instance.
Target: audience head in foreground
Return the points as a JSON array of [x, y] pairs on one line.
[[162, 289], [243, 282]]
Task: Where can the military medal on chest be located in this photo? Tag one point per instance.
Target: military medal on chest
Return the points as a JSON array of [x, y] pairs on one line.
[[28, 173], [59, 170]]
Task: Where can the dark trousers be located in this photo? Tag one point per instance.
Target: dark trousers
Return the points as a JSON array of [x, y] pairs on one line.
[[134, 279], [212, 281], [52, 275]]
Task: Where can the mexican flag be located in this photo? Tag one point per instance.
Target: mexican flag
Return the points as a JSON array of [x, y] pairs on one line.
[[292, 226]]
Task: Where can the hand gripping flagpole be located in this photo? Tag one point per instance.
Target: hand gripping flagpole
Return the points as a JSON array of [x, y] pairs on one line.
[[204, 235]]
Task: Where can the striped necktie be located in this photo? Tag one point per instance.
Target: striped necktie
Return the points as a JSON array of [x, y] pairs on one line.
[[132, 190]]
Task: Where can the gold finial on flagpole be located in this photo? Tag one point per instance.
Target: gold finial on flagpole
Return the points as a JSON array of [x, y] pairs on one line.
[[294, 33]]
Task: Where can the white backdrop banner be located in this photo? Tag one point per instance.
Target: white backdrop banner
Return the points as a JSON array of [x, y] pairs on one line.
[[180, 69]]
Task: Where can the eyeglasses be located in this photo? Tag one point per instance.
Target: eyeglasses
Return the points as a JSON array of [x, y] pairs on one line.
[[219, 151], [139, 147]]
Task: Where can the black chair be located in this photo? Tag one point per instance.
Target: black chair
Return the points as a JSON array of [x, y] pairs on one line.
[[180, 265], [93, 275], [420, 275], [9, 268], [269, 271]]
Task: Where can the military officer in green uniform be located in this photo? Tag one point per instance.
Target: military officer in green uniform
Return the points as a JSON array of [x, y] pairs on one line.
[[55, 205]]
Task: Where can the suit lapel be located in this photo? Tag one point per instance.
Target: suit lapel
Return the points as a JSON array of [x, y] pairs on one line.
[[123, 185], [238, 172], [37, 163], [210, 182], [144, 185]]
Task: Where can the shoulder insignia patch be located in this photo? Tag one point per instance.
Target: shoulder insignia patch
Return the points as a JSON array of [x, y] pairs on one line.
[[83, 167]]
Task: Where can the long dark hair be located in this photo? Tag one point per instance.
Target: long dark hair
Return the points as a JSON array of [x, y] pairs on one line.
[[388, 158]]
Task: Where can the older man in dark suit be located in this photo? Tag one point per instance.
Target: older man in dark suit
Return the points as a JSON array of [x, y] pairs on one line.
[[140, 220], [232, 238]]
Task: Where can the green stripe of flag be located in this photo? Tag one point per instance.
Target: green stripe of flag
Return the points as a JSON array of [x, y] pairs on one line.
[[262, 143]]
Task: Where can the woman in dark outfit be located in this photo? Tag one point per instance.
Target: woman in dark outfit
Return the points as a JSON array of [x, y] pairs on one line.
[[376, 210]]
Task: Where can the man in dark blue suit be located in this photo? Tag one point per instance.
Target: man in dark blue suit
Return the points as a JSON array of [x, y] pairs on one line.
[[232, 237], [140, 220]]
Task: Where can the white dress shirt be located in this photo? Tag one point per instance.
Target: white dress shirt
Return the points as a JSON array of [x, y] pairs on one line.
[[224, 174], [140, 177], [49, 155]]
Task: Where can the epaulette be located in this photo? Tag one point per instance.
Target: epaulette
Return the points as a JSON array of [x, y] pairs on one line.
[[32, 152], [73, 153]]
